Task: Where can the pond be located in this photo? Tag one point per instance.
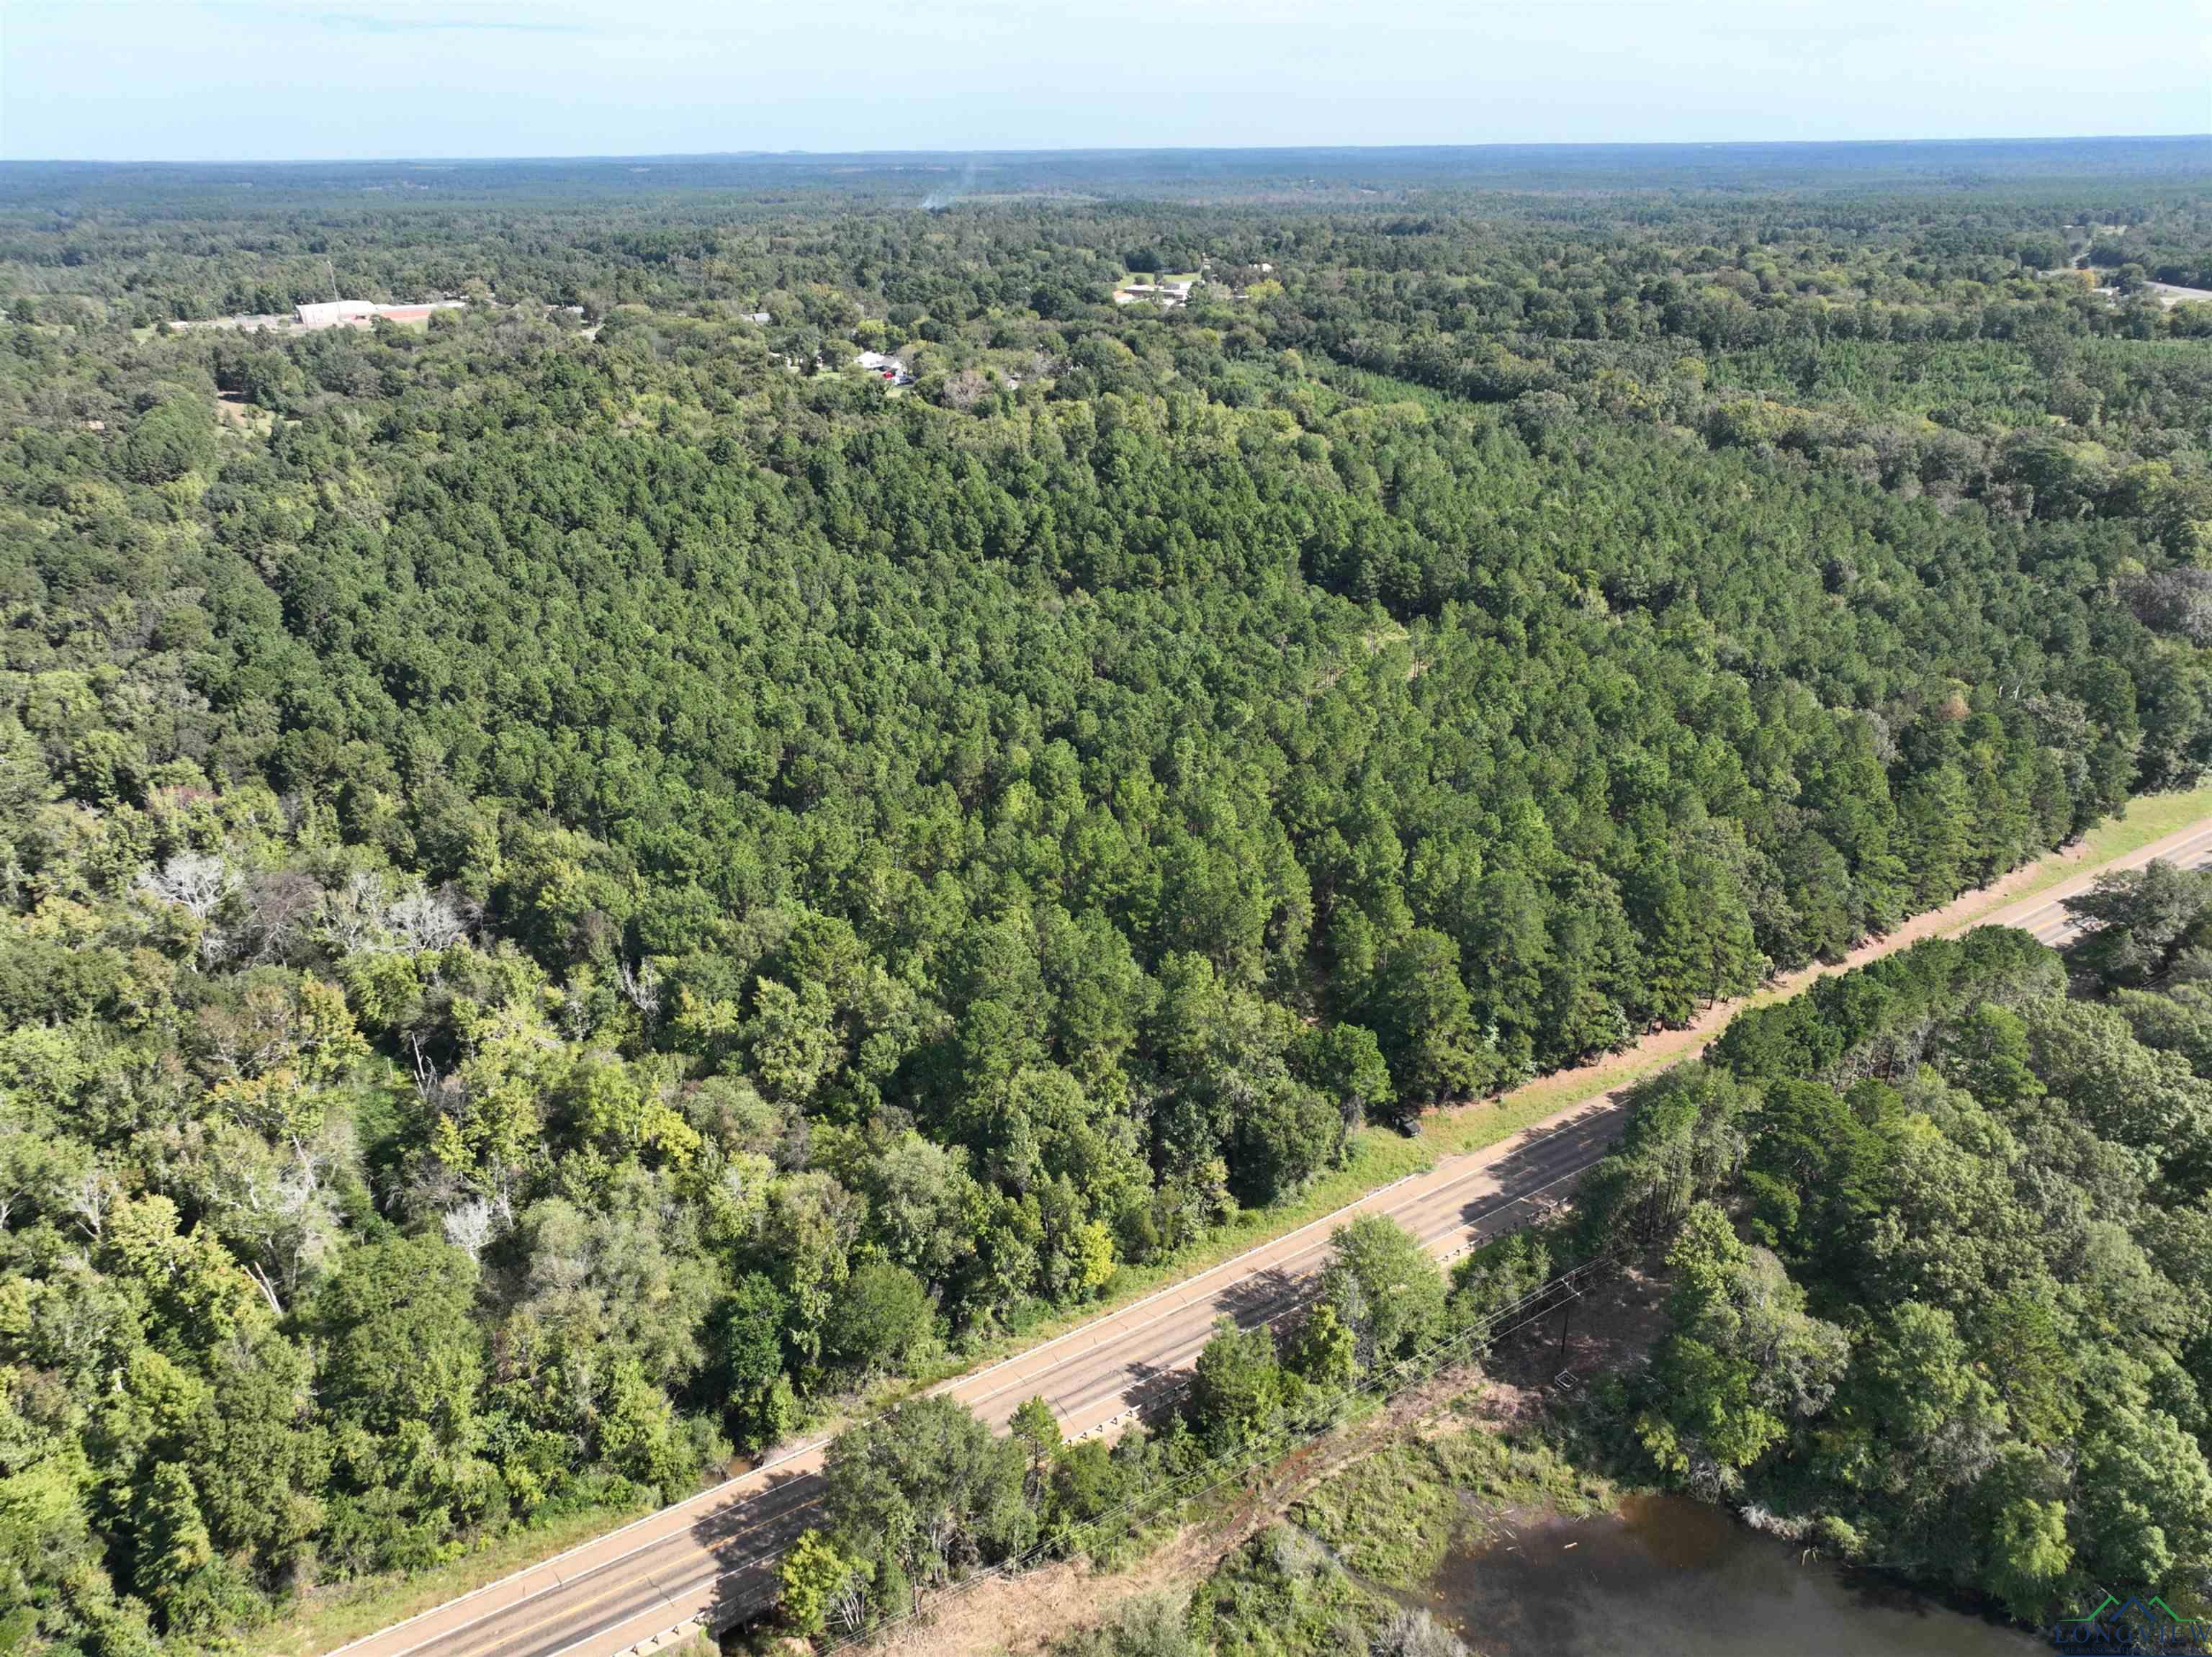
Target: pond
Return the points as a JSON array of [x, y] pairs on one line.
[[1665, 1576]]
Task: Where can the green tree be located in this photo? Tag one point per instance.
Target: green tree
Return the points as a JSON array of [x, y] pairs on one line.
[[1382, 1286], [926, 1489], [172, 1539], [175, 437], [2029, 1557], [813, 1580], [403, 1343], [1740, 1357], [1036, 1430], [1284, 1133], [2137, 921], [747, 1366], [878, 1318], [1235, 1388], [1344, 1064], [1425, 1025], [1325, 1353]]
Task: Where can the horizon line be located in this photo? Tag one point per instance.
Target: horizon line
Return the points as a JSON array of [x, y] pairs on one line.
[[398, 160]]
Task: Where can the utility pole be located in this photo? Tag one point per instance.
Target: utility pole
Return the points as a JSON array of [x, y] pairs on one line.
[[1567, 1311]]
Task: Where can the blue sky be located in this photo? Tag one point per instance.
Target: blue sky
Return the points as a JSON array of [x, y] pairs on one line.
[[262, 80]]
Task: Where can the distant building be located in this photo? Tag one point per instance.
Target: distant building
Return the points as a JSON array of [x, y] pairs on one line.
[[1166, 295], [335, 313], [360, 312], [887, 369], [758, 316]]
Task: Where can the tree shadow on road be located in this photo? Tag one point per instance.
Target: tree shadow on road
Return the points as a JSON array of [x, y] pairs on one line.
[[748, 1539], [1536, 1164], [1155, 1391], [1262, 1295]]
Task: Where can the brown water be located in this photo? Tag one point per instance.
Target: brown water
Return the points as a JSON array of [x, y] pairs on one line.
[[1667, 1576]]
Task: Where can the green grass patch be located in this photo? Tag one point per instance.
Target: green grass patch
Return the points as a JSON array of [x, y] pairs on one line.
[[2148, 817], [330, 1617], [1392, 1516], [1279, 1595]]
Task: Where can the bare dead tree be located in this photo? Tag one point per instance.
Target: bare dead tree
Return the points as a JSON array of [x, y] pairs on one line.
[[470, 1227], [640, 988], [199, 881], [88, 1197]]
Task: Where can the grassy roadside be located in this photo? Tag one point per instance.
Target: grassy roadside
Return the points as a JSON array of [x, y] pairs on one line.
[[2148, 818], [349, 1610], [1378, 1157], [1471, 1128]]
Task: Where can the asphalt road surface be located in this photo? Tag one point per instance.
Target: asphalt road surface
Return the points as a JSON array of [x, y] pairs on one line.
[[2045, 918], [714, 1555]]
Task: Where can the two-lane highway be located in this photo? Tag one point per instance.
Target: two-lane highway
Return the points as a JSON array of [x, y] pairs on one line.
[[720, 1549], [713, 1556], [2045, 917]]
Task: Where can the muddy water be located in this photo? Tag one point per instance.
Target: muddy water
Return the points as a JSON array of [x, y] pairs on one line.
[[1667, 1576]]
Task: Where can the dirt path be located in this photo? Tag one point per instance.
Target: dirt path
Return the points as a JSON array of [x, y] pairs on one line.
[[1022, 1614]]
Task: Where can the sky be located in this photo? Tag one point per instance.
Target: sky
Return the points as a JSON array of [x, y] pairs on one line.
[[263, 80]]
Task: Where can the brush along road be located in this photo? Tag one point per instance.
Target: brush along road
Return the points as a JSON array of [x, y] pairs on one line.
[[714, 1555]]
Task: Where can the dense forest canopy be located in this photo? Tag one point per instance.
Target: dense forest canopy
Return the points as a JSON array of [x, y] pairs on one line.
[[584, 878], [1942, 1294], [1936, 1235]]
